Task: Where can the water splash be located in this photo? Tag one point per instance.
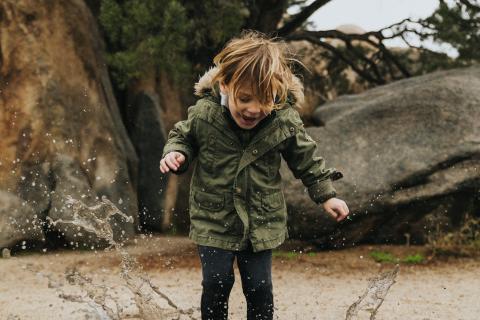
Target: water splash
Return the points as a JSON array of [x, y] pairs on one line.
[[369, 302], [151, 303], [94, 219]]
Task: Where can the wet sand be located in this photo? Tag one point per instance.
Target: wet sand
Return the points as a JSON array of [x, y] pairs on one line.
[[320, 285]]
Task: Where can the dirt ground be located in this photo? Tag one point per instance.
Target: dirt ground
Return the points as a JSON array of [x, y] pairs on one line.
[[307, 285]]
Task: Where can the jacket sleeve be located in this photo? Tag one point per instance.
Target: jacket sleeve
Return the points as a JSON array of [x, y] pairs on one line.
[[182, 139], [299, 154]]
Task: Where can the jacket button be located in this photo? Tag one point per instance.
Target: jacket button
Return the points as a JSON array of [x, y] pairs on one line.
[[292, 129], [238, 190], [254, 151]]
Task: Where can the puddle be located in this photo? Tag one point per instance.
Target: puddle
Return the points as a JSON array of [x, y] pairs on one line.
[[148, 302]]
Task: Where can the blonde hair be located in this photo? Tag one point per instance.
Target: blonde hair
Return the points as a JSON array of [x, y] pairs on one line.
[[261, 62]]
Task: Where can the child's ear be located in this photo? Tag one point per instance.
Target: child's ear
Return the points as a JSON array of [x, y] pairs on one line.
[[223, 87]]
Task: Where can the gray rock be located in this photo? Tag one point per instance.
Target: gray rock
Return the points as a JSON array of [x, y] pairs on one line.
[[62, 133], [6, 253], [146, 130], [18, 221], [410, 155]]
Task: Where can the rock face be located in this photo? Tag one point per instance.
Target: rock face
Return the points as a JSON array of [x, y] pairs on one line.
[[148, 136], [154, 105], [410, 155], [60, 126]]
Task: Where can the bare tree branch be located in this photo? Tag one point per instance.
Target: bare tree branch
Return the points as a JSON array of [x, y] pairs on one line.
[[373, 38], [472, 6], [309, 37], [362, 57], [366, 53], [265, 15], [298, 19]]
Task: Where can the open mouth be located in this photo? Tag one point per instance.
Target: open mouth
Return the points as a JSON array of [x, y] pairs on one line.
[[248, 119]]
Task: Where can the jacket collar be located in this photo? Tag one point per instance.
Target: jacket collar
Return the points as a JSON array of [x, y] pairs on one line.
[[221, 118]]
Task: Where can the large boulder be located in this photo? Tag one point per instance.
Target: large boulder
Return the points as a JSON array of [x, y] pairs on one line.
[[410, 155], [61, 129]]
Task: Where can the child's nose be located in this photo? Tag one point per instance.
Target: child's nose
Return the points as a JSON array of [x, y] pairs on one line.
[[253, 111]]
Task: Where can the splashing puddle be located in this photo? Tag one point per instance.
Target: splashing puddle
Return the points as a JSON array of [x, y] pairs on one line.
[[103, 301]]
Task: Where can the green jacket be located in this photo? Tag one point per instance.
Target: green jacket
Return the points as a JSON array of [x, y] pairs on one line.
[[235, 190]]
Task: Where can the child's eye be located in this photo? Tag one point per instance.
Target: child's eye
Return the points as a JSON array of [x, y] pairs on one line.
[[245, 99]]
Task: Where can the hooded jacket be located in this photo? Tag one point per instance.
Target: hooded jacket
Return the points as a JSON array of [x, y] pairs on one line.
[[235, 191]]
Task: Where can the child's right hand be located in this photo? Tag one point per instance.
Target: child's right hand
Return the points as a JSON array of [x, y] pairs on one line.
[[337, 208], [172, 160]]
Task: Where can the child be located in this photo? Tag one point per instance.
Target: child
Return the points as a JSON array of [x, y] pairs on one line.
[[238, 130]]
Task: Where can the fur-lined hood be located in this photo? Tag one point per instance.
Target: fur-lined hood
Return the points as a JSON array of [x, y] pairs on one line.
[[203, 86]]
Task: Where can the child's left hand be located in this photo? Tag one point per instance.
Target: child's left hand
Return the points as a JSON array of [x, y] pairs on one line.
[[337, 208]]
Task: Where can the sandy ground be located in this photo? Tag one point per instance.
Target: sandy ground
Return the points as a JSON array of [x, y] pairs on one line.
[[306, 286]]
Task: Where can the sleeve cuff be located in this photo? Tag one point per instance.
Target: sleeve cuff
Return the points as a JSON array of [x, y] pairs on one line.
[[322, 191], [177, 147], [336, 175]]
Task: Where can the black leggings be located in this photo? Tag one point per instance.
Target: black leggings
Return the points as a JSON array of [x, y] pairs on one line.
[[218, 278]]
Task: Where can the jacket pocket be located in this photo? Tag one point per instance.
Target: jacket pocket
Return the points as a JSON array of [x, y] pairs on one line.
[[273, 201], [209, 201]]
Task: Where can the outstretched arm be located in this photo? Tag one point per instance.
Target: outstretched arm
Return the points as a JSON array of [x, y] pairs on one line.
[[299, 153]]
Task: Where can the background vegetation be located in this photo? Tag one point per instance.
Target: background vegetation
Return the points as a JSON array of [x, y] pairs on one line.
[[181, 37]]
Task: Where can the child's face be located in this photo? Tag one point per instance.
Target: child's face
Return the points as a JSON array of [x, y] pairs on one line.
[[246, 110]]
